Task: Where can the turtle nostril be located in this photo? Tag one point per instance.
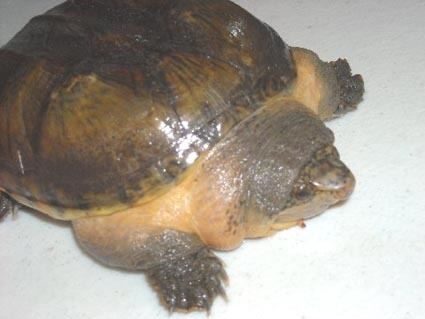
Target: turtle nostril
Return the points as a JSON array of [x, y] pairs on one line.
[[347, 189]]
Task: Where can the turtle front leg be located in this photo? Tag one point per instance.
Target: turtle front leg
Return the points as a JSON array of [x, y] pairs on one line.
[[184, 272], [7, 205], [189, 282], [328, 88]]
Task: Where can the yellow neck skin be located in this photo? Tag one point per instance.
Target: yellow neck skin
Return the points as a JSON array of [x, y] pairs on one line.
[[315, 84]]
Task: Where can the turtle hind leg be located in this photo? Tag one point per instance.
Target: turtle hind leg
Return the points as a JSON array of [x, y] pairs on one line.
[[350, 87], [189, 282], [7, 205]]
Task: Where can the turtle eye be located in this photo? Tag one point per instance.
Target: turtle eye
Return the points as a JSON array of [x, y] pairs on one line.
[[302, 193]]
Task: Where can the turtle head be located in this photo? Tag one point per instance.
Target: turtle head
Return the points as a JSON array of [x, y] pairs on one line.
[[324, 181]]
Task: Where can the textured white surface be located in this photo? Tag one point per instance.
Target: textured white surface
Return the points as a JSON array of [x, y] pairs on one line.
[[365, 259]]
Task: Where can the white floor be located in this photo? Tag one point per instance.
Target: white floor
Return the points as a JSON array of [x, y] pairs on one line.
[[365, 259]]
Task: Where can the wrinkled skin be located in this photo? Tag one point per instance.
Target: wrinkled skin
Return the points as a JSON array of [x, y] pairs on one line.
[[165, 129]]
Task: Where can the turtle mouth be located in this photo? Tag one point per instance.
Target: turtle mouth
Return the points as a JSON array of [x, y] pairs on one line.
[[323, 182]]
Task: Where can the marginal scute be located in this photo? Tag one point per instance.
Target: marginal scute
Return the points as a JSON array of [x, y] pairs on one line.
[[110, 102]]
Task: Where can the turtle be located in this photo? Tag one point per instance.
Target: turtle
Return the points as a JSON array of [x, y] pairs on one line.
[[165, 130]]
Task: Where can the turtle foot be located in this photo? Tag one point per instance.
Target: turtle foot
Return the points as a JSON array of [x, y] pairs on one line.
[[351, 87], [189, 283], [7, 205]]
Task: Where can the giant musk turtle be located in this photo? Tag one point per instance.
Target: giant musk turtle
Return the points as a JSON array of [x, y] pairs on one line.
[[164, 129]]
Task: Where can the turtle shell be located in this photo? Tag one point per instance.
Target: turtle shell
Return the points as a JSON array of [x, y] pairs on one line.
[[105, 104]]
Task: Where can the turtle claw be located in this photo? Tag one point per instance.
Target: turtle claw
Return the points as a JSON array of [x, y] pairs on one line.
[[189, 283]]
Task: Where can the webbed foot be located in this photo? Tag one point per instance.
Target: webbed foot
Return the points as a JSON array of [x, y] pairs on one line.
[[351, 87], [189, 282]]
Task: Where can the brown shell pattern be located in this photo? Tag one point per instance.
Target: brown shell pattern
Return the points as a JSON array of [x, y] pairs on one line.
[[109, 101]]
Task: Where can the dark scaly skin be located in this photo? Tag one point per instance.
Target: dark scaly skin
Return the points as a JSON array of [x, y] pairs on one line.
[[350, 87], [189, 282]]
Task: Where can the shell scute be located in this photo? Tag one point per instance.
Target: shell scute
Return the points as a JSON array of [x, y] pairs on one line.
[[109, 102]]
